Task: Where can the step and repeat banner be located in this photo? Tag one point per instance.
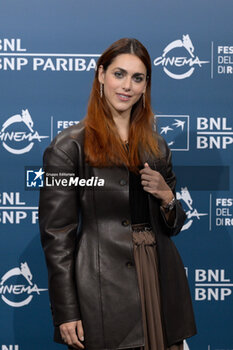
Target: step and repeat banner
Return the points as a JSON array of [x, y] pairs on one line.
[[48, 54]]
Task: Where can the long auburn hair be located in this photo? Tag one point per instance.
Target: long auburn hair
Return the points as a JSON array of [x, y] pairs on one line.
[[103, 146]]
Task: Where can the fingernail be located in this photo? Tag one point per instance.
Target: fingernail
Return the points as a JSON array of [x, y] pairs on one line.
[[82, 338]]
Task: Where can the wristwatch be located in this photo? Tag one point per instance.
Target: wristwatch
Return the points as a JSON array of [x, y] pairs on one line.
[[168, 207]]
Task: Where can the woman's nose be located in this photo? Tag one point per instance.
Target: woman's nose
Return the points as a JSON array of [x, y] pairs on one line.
[[127, 83]]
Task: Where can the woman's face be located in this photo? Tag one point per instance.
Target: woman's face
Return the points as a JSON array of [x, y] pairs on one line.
[[124, 82]]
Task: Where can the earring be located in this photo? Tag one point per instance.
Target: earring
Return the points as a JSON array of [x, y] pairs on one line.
[[101, 90], [143, 100]]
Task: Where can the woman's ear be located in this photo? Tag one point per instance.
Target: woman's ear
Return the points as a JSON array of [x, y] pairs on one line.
[[101, 74]]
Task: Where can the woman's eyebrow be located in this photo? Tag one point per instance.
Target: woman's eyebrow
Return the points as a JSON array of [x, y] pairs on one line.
[[139, 74], [125, 71]]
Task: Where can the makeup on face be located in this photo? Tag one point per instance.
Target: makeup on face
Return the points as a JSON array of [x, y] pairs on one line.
[[124, 82]]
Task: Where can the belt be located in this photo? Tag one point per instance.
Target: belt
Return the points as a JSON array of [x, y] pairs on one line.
[[141, 227]]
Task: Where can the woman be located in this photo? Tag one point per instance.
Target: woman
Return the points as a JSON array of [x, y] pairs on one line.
[[116, 280]]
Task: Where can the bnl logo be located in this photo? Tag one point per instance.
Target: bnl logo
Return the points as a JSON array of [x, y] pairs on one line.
[[34, 179], [175, 130], [10, 347]]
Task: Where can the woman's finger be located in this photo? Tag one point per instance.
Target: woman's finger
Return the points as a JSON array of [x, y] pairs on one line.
[[146, 171], [146, 177], [67, 339], [69, 334], [145, 183], [80, 330], [74, 339]]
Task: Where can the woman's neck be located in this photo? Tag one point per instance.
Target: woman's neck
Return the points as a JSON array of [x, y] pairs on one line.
[[122, 124]]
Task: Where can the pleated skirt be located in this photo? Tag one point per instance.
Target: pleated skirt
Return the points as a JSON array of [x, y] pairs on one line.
[[146, 263]]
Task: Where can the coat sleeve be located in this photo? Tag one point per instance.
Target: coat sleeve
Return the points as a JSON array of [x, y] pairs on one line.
[[58, 220], [180, 215]]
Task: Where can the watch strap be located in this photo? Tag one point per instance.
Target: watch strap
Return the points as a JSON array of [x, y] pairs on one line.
[[169, 206]]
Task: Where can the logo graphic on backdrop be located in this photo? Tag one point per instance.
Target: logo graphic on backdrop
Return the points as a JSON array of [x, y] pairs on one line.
[[212, 285], [17, 58], [191, 212], [57, 177], [35, 179], [179, 64], [17, 133], [175, 130], [18, 295], [13, 210], [10, 347], [214, 132]]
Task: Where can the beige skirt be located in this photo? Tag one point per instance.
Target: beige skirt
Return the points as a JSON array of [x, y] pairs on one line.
[[146, 263]]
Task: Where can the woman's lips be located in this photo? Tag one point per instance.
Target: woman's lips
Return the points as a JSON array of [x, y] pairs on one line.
[[124, 97]]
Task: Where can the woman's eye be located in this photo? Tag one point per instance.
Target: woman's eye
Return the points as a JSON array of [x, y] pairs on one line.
[[138, 79], [118, 74]]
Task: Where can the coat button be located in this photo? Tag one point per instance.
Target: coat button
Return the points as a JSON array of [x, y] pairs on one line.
[[129, 264], [123, 182], [125, 222]]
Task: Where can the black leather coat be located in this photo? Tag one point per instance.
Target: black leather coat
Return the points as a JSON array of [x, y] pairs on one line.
[[86, 236]]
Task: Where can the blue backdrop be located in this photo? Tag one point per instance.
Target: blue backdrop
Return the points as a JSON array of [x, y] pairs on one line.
[[48, 51]]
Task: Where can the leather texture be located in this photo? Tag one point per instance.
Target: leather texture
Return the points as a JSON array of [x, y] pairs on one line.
[[87, 241]]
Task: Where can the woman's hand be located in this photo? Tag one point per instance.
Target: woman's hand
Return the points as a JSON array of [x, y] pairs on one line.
[[154, 183], [71, 332]]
